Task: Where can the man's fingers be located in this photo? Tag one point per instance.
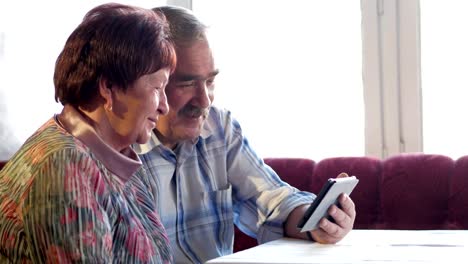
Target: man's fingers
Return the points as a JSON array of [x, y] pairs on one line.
[[347, 205], [329, 232], [342, 175]]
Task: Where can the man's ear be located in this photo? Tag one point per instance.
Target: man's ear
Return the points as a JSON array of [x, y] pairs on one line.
[[105, 90]]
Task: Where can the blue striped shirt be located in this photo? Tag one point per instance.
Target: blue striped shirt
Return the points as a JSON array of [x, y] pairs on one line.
[[203, 188]]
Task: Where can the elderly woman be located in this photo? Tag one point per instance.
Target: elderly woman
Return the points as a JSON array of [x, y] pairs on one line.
[[71, 193]]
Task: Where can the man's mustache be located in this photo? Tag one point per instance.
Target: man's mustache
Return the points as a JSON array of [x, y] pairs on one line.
[[194, 111]]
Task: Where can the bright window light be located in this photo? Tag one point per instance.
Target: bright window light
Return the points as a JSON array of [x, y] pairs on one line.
[[32, 34], [444, 64], [291, 72]]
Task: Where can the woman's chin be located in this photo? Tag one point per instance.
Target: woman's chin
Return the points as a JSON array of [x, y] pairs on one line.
[[144, 138]]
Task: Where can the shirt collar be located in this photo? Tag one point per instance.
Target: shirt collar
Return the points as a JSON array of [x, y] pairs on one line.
[[123, 164]]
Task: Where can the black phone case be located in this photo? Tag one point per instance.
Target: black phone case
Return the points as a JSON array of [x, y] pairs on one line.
[[327, 196]]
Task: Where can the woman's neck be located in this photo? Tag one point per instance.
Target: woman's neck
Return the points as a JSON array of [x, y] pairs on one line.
[[100, 122]]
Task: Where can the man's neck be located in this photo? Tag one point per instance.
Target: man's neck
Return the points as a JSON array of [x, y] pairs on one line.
[[165, 140]]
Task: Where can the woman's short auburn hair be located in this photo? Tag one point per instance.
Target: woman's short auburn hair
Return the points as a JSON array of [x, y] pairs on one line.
[[117, 42]]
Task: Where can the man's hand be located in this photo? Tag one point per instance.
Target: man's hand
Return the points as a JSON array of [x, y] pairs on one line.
[[328, 232]]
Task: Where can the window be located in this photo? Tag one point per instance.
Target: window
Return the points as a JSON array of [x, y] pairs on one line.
[[391, 76], [305, 78], [444, 59], [291, 72], [32, 34]]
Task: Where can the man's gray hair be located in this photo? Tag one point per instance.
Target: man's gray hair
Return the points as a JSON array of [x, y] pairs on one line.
[[185, 27]]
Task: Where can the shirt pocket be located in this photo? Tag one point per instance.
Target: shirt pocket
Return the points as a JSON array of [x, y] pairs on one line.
[[218, 215], [218, 204]]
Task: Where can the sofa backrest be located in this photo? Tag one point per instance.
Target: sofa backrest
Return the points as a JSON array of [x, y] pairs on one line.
[[458, 194], [406, 191]]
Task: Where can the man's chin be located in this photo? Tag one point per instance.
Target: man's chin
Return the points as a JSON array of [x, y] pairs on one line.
[[193, 126], [191, 133]]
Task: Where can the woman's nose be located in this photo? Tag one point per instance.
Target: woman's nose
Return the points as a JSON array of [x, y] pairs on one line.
[[163, 107]]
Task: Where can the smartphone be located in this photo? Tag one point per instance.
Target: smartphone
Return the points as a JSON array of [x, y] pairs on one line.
[[327, 196]]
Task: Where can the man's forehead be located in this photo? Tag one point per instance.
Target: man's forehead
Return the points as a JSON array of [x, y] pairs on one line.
[[190, 76]]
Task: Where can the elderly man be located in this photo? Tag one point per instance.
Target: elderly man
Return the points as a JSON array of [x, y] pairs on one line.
[[206, 177]]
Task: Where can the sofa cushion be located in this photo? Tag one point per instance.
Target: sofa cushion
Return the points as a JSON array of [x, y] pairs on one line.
[[458, 200], [415, 190], [2, 163], [297, 171]]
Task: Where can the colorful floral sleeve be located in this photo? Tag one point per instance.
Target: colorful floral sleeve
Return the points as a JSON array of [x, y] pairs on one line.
[[63, 217]]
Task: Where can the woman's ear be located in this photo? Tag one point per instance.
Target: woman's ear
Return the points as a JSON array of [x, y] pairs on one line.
[[105, 90]]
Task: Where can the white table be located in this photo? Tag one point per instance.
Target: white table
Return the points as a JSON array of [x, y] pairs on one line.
[[362, 246]]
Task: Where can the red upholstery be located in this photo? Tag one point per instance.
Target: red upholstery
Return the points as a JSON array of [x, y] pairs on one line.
[[415, 192], [298, 176], [407, 191], [2, 163], [458, 195]]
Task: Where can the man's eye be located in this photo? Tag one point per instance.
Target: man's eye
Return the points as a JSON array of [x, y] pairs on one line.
[[210, 82], [185, 84]]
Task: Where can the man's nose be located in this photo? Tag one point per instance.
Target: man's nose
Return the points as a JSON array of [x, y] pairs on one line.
[[204, 95]]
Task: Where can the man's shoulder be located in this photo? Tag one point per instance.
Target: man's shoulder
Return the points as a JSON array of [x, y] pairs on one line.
[[218, 122], [218, 113], [220, 116]]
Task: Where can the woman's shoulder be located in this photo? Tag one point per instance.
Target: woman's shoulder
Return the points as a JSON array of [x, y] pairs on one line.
[[50, 155], [50, 142], [52, 136]]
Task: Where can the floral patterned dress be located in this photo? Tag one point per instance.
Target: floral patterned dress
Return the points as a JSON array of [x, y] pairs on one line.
[[66, 197]]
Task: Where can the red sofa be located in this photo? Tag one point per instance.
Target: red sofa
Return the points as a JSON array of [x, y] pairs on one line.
[[407, 191]]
